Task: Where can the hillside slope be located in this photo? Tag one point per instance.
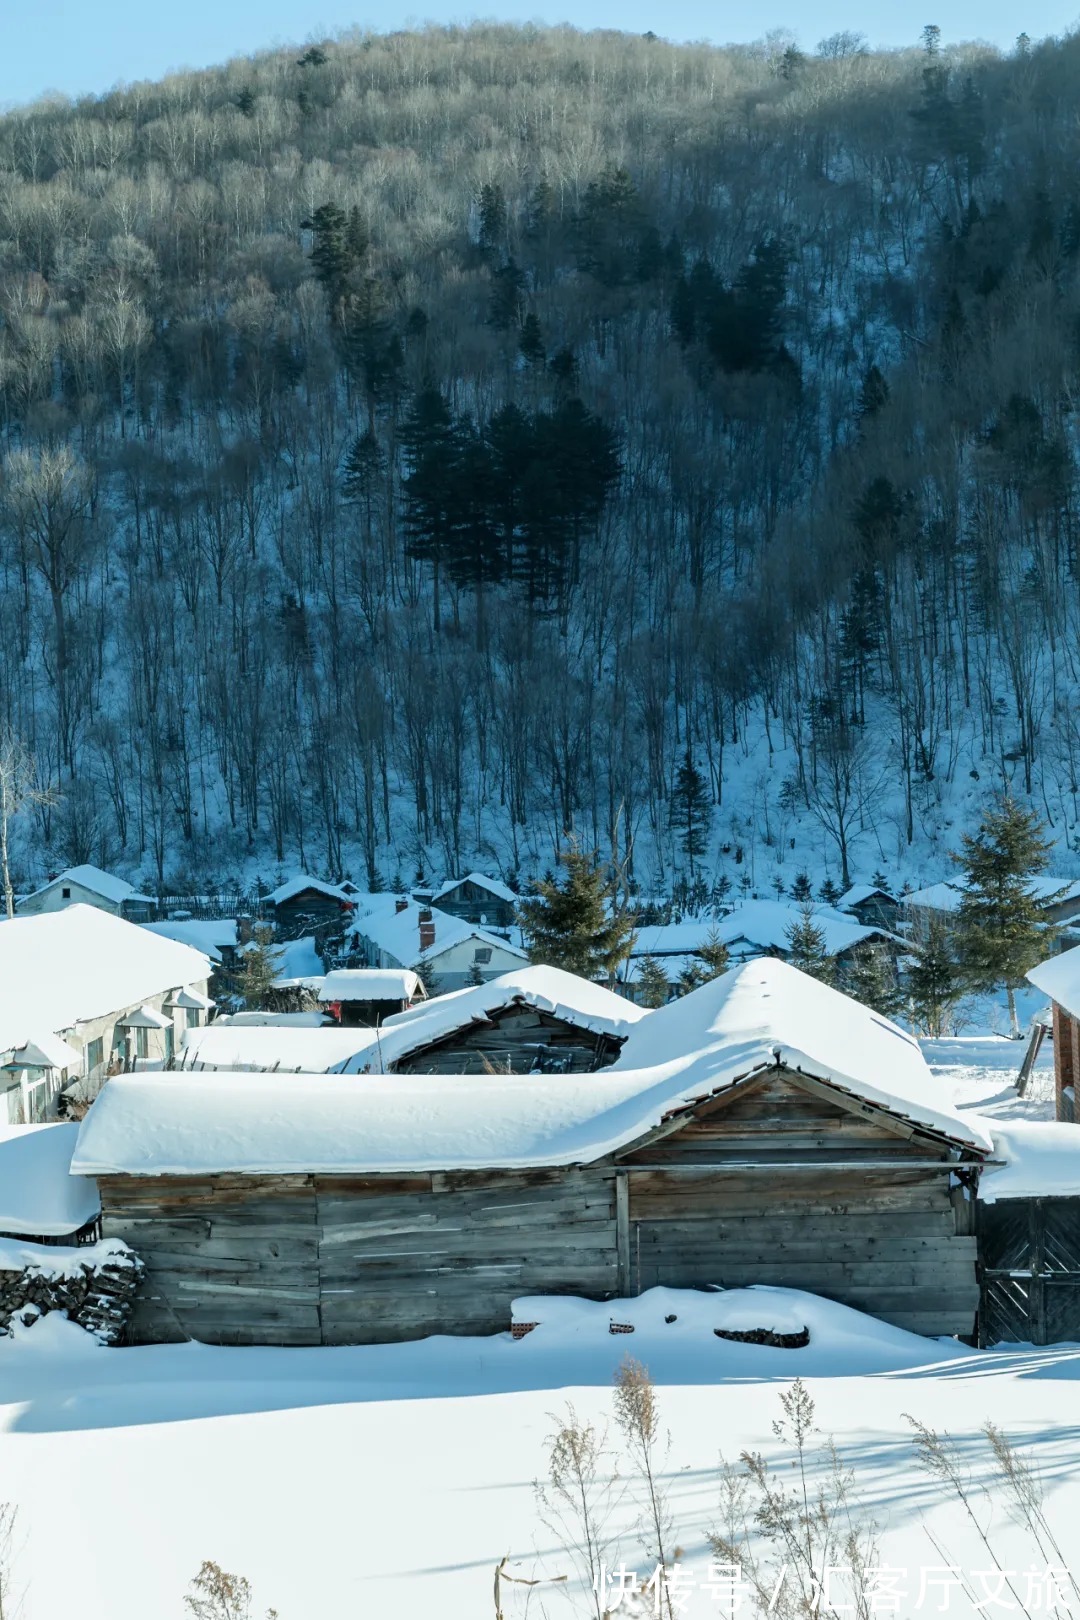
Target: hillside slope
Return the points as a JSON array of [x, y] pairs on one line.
[[422, 447]]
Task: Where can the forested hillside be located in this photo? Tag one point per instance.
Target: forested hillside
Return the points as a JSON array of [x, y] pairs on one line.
[[420, 448]]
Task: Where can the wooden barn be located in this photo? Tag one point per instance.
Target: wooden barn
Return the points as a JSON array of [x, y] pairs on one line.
[[307, 905], [478, 899], [537, 1020], [765, 1129]]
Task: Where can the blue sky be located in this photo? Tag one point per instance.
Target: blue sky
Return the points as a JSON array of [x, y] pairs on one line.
[[80, 46]]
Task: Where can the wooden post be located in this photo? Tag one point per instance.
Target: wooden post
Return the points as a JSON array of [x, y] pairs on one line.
[[1038, 1032], [622, 1232]]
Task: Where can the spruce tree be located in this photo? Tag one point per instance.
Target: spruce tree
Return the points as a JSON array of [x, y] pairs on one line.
[[714, 955], [806, 947], [573, 924], [653, 983], [1001, 930], [933, 979], [872, 979], [258, 975], [690, 811], [829, 892], [801, 889]]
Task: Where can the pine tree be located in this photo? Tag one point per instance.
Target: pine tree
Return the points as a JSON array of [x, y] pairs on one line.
[[806, 947], [829, 892], [531, 342], [1001, 929], [872, 980], [691, 810], [653, 983], [692, 976], [573, 925], [714, 954], [258, 975], [801, 889], [933, 979]]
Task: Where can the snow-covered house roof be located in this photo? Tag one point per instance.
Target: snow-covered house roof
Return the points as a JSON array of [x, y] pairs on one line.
[[758, 925], [63, 968], [482, 881], [1059, 978], [211, 938], [858, 895], [95, 881], [371, 984], [39, 1197], [261, 1047], [743, 1023], [551, 990], [302, 884], [947, 895], [394, 927]]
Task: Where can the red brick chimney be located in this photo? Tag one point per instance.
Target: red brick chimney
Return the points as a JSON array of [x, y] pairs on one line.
[[427, 930], [401, 904]]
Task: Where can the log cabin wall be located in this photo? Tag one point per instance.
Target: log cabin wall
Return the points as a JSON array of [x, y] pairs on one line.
[[305, 1260], [780, 1183], [516, 1041]]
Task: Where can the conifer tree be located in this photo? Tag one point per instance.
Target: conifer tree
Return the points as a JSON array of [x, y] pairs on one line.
[[1001, 929], [801, 889], [691, 809], [258, 975], [573, 924], [933, 979], [829, 892], [714, 955], [873, 981], [653, 983], [806, 947]]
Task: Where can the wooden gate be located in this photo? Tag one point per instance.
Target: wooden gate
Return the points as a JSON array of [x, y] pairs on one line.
[[1029, 1269]]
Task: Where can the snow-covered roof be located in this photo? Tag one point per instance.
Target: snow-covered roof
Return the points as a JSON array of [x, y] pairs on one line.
[[482, 881], [93, 879], [1042, 1160], [946, 896], [145, 1018], [306, 885], [44, 1052], [397, 931], [1059, 978], [551, 990], [738, 1025], [264, 1047], [38, 1195], [211, 938], [762, 925], [371, 984], [63, 968], [859, 893]]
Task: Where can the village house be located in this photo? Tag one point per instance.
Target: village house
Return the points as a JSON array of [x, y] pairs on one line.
[[756, 928], [478, 899], [307, 905], [1058, 898], [368, 996], [535, 1020], [873, 907], [1059, 979], [765, 1129], [218, 939], [84, 994], [390, 931], [88, 886]]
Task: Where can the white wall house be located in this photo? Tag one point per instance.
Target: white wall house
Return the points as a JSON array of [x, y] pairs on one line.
[[88, 886], [388, 931], [84, 994]]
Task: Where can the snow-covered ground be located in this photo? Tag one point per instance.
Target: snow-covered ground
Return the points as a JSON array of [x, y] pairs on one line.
[[979, 1075], [393, 1479]]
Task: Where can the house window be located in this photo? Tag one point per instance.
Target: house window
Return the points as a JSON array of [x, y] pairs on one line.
[[95, 1054], [482, 953], [65, 894], [142, 1044]]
